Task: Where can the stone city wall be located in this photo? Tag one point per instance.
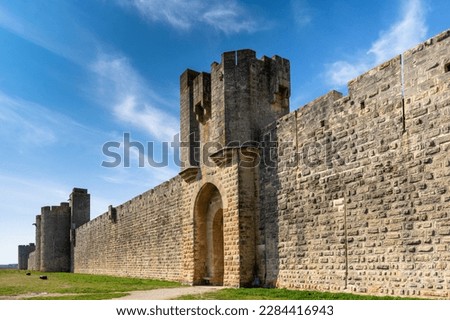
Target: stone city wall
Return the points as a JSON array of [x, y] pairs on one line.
[[351, 193], [356, 198], [142, 237], [152, 235]]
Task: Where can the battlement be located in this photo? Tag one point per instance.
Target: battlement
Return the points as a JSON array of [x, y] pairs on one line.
[[230, 105], [53, 233], [80, 207], [24, 253], [62, 208], [234, 58], [276, 69]]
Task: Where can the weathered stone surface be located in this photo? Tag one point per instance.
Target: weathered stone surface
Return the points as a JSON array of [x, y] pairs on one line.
[[396, 188], [24, 253], [347, 193]]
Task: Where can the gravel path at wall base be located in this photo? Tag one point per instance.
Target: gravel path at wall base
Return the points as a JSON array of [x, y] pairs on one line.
[[167, 294]]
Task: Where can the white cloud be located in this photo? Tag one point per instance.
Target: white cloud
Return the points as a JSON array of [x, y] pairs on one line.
[[409, 30], [69, 40], [142, 115], [123, 90], [301, 12], [31, 124], [120, 86], [178, 13], [226, 15], [229, 18], [342, 71]]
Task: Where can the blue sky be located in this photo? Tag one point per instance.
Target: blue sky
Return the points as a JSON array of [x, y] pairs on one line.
[[77, 74]]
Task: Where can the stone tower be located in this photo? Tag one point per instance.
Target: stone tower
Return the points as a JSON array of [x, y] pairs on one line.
[[24, 252], [222, 116], [54, 242], [80, 204], [228, 107], [80, 213], [55, 233]]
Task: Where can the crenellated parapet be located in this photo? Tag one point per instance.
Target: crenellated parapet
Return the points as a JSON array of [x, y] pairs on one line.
[[228, 107], [54, 239], [24, 252]]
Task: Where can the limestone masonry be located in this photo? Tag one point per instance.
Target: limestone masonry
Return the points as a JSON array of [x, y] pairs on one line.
[[347, 193]]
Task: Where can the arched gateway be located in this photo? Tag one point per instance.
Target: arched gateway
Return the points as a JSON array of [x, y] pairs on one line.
[[208, 237]]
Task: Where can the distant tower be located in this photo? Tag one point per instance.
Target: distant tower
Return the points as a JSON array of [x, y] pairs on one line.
[[24, 253], [80, 206], [55, 244], [55, 234]]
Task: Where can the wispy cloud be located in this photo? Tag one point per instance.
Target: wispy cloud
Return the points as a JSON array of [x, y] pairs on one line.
[[69, 40], [121, 87], [227, 16], [133, 102], [340, 72], [301, 12], [35, 191], [26, 123], [409, 30]]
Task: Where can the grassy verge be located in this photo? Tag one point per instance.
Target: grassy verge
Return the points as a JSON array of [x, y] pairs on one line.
[[88, 296], [279, 294], [73, 286]]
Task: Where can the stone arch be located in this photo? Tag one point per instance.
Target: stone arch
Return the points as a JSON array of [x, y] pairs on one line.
[[208, 236]]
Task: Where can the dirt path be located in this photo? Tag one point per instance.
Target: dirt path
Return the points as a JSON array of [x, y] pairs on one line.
[[167, 294]]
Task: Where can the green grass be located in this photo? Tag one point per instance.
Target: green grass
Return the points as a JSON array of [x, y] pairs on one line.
[[70, 286], [88, 296], [279, 294], [79, 286]]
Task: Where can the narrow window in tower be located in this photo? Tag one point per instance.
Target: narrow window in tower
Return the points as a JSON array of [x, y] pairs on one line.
[[281, 98], [447, 67], [199, 112], [362, 105]]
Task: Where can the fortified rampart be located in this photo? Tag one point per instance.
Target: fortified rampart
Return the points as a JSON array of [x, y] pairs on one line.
[[361, 183], [347, 193], [142, 237]]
